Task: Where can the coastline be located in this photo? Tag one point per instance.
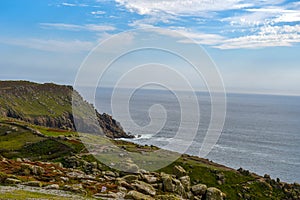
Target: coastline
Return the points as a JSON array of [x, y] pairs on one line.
[[39, 155]]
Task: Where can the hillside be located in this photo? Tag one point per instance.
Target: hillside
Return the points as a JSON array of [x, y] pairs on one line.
[[38, 162], [50, 105], [42, 156]]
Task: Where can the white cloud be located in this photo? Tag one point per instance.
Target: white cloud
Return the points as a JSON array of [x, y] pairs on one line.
[[68, 4], [278, 14], [280, 29], [259, 41], [262, 16], [95, 27], [73, 4], [252, 19], [74, 27], [61, 26], [289, 17], [180, 7], [99, 12], [267, 36], [152, 20], [257, 18], [185, 35], [191, 7], [63, 46], [269, 10], [192, 37]]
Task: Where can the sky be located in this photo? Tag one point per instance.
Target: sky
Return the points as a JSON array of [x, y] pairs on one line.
[[255, 44]]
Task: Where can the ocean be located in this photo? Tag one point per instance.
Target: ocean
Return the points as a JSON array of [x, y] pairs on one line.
[[261, 132]]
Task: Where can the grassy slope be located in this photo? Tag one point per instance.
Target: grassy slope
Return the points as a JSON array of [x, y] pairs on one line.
[[41, 100], [55, 148], [23, 143], [16, 139], [55, 106]]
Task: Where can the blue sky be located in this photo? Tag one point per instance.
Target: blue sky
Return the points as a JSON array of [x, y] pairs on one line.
[[255, 44]]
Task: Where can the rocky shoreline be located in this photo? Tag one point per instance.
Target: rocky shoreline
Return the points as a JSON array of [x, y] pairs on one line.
[[25, 174]]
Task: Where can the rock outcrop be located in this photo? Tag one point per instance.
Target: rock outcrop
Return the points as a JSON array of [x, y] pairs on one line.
[[50, 105], [106, 184], [103, 184]]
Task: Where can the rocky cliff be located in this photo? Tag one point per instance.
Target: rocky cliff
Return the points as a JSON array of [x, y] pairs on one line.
[[50, 105]]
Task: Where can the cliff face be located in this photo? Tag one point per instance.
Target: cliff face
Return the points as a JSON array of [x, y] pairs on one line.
[[110, 126], [50, 105]]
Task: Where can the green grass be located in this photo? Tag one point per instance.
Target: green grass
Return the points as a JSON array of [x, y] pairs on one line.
[[44, 130], [30, 106], [30, 99], [55, 132], [234, 181], [45, 150], [22, 194], [16, 139], [23, 143], [147, 157]]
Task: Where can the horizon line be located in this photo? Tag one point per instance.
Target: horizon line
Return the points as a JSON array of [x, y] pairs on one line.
[[227, 91]]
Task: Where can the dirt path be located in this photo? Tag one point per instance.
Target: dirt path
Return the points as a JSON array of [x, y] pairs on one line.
[[57, 193]]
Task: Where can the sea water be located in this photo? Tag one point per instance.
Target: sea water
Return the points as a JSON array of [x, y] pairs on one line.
[[261, 132]]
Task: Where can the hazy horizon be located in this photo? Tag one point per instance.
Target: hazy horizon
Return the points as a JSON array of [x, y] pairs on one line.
[[254, 44]]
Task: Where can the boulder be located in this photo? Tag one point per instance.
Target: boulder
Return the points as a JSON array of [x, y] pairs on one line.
[[110, 173], [220, 178], [52, 187], [145, 188], [125, 184], [33, 183], [186, 182], [168, 197], [179, 189], [189, 195], [130, 178], [167, 182], [12, 181], [179, 171], [137, 196], [197, 197], [199, 189], [150, 178], [213, 193], [75, 188], [64, 179], [109, 178], [89, 182], [122, 189], [109, 195], [58, 164], [28, 169], [76, 174], [36, 170]]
